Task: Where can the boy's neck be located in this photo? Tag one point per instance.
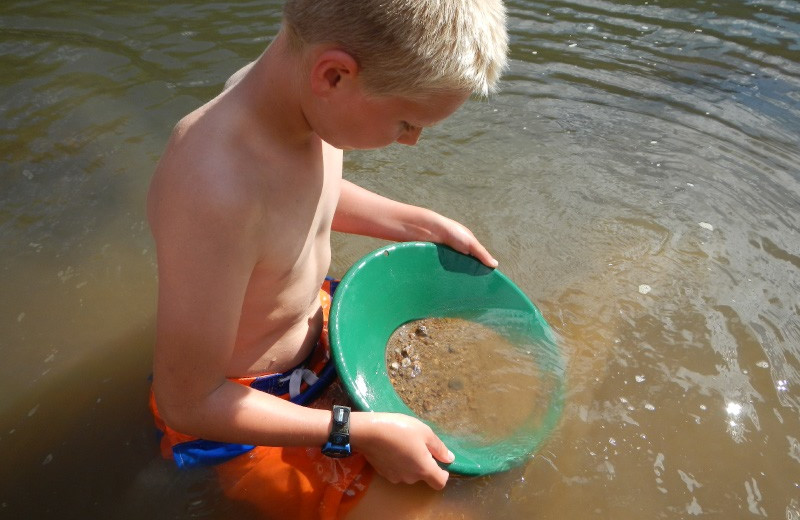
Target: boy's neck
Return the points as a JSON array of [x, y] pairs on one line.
[[274, 89]]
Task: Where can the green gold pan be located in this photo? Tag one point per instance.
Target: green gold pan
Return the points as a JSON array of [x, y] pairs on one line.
[[413, 280]]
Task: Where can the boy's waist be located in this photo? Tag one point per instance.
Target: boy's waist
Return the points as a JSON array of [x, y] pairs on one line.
[[293, 383], [260, 352], [301, 385]]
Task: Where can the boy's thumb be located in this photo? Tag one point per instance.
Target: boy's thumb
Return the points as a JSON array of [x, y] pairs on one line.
[[440, 451]]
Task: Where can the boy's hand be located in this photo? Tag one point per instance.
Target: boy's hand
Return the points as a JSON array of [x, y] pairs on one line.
[[461, 239], [400, 448]]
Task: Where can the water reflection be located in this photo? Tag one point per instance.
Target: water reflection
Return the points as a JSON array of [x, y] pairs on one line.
[[637, 177]]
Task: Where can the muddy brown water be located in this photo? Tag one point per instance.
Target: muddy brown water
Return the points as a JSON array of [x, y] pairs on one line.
[[466, 378], [636, 176]]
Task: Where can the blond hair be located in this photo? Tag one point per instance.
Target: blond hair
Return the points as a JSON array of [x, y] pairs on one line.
[[409, 47]]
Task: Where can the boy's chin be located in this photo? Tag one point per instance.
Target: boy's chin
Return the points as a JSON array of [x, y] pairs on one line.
[[347, 148], [373, 145], [348, 145]]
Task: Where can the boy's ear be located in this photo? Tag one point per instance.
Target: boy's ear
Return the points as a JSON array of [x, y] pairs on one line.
[[332, 70]]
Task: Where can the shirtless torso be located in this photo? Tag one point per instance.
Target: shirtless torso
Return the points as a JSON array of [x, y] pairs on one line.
[[288, 200]]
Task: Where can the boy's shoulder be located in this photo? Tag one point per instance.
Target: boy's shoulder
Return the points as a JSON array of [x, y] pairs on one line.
[[201, 171]]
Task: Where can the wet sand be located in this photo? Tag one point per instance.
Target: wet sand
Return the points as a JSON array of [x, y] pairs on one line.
[[465, 377]]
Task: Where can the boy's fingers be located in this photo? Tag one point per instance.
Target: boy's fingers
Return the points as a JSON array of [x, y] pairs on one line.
[[483, 255], [440, 451], [438, 479], [463, 240], [490, 261]]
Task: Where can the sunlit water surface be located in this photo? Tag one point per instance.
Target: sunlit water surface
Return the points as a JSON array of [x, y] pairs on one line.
[[637, 177]]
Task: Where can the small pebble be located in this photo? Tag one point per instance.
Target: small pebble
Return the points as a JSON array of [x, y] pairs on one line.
[[455, 384]]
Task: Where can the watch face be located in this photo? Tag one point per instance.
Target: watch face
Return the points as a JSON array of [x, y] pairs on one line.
[[336, 451]]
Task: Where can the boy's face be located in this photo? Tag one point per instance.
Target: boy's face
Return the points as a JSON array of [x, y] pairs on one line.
[[361, 121]]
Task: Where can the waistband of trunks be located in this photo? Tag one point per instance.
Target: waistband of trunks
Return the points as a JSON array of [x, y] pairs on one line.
[[303, 383]]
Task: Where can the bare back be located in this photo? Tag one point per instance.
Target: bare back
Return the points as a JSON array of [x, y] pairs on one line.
[[242, 226]]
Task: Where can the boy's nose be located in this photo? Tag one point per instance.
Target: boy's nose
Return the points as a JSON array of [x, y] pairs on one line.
[[410, 137]]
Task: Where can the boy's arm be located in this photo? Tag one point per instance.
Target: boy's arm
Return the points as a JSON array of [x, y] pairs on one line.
[[363, 212]]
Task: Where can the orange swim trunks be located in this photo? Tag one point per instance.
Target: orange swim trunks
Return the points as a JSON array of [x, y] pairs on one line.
[[281, 482]]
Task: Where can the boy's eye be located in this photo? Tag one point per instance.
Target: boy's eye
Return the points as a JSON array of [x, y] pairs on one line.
[[407, 127]]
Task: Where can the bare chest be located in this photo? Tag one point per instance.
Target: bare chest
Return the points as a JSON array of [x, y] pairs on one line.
[[280, 319]]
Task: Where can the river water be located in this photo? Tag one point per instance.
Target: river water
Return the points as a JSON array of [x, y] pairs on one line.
[[637, 177]]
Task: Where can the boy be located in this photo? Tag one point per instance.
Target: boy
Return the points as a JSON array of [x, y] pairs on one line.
[[241, 206]]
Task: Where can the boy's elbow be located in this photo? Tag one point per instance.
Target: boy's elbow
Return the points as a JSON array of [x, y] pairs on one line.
[[177, 414]]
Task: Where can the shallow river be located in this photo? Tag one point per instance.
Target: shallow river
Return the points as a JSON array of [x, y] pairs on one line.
[[638, 177]]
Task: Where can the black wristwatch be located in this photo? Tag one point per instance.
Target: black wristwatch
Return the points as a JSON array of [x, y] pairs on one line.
[[338, 445]]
